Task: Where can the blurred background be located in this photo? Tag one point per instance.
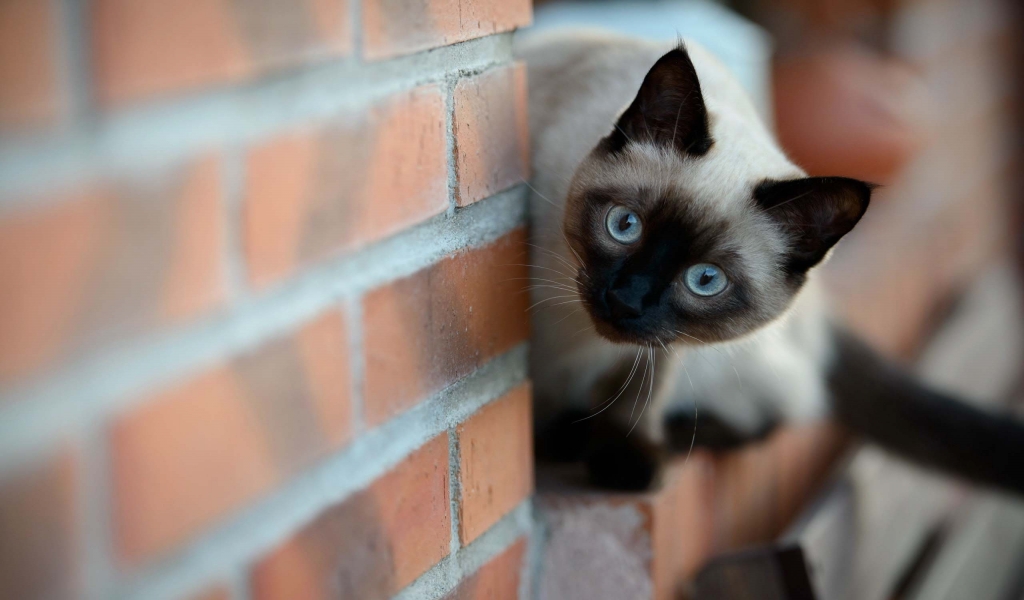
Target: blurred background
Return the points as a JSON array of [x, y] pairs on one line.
[[263, 332]]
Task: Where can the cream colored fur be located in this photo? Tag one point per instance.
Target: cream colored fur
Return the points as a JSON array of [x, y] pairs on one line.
[[580, 82]]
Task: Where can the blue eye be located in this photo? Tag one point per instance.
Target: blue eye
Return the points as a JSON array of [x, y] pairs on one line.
[[705, 279], [623, 225]]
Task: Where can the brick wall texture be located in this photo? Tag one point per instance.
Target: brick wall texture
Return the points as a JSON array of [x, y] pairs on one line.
[[262, 311]]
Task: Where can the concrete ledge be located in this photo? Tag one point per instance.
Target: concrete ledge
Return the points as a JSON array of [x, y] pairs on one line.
[[598, 545]]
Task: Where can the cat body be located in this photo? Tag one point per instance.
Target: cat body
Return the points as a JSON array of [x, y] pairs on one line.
[[579, 84], [675, 298]]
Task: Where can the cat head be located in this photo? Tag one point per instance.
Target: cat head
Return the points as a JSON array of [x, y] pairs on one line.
[[690, 224]]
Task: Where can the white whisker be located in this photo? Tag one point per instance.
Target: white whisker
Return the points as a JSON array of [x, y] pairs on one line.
[[556, 256], [716, 349], [542, 301], [563, 303], [624, 133], [541, 286], [693, 439], [696, 400], [694, 338], [728, 353], [567, 316], [539, 195], [641, 390], [650, 393], [536, 279], [567, 282], [793, 199], [576, 254], [579, 331], [607, 403], [562, 273]]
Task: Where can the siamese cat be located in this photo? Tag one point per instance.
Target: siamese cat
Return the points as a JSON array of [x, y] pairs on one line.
[[673, 263]]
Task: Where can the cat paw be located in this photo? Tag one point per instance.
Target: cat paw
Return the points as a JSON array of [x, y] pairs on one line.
[[710, 432], [624, 462]]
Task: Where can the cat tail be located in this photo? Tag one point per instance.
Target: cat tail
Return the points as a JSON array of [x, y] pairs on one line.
[[873, 397]]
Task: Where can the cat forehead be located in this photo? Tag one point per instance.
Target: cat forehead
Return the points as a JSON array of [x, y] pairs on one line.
[[743, 153], [719, 183], [716, 190]]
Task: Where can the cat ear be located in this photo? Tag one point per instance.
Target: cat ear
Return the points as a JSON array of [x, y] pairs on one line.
[[668, 110], [815, 212]]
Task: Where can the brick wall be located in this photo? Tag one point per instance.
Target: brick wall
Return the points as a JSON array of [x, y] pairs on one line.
[[262, 325]]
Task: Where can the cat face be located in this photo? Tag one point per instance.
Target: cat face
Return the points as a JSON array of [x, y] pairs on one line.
[[681, 236]]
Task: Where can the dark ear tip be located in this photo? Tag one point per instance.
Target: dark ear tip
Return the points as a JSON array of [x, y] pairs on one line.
[[678, 53], [668, 109], [866, 187], [848, 180], [863, 189]]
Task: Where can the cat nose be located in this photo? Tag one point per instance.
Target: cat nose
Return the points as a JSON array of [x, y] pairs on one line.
[[623, 306]]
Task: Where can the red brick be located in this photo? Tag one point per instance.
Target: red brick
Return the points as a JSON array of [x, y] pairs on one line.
[[29, 95], [192, 453], [492, 147], [497, 580], [428, 330], [315, 193], [371, 545], [38, 520], [719, 502], [145, 48], [495, 462], [735, 499], [760, 489], [106, 262], [395, 27], [803, 457], [685, 503]]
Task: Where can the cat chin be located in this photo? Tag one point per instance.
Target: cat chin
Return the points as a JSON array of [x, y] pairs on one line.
[[618, 336]]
